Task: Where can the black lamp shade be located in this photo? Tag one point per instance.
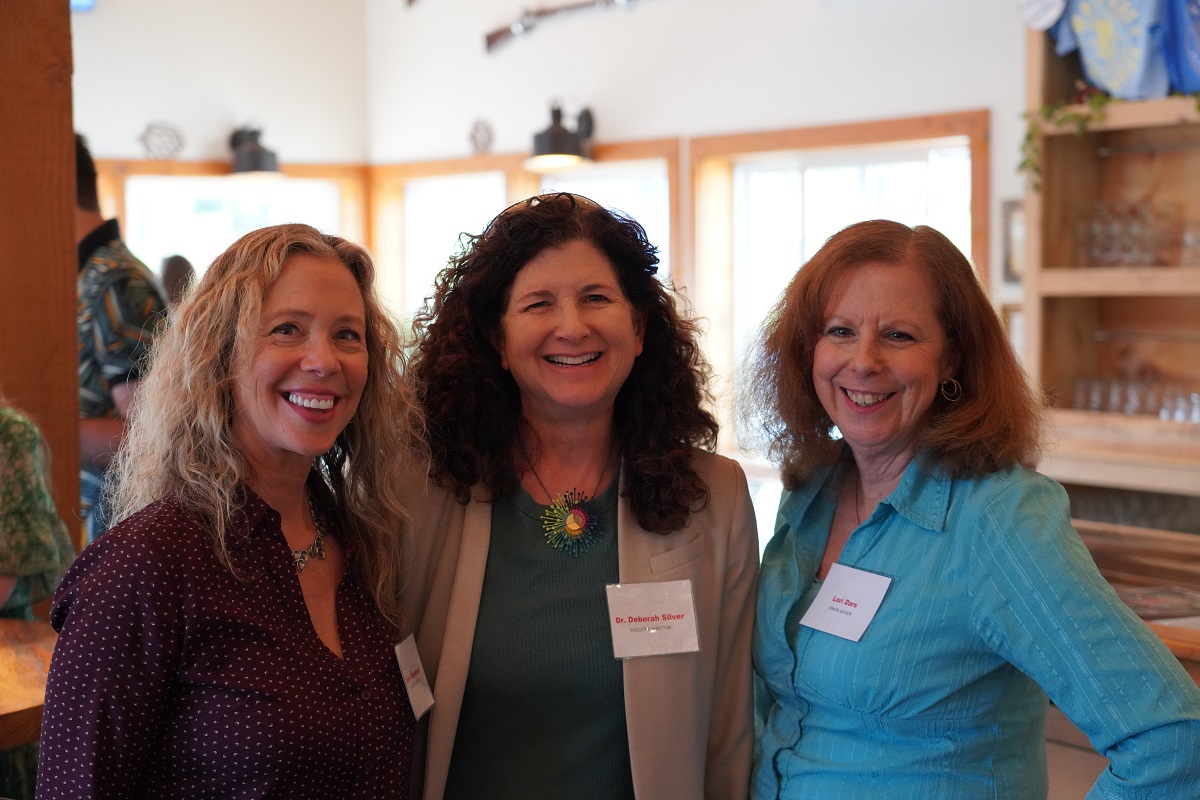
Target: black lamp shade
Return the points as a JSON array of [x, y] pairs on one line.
[[248, 153], [557, 140], [559, 148]]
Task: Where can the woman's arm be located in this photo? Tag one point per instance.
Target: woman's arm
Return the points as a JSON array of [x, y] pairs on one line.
[[1061, 623], [120, 638]]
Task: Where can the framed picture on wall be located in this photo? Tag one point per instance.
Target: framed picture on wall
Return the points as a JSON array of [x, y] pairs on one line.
[[1013, 226]]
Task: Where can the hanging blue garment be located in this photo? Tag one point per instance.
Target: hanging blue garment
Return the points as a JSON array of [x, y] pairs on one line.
[[1181, 41], [1120, 43]]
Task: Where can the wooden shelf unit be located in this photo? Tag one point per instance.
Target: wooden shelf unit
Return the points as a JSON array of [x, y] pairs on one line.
[[1086, 322]]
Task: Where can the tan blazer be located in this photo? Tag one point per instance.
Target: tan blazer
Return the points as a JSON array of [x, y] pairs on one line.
[[690, 716]]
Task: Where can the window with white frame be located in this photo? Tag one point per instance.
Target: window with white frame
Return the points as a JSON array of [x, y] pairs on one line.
[[786, 205], [639, 189], [437, 211], [199, 216]]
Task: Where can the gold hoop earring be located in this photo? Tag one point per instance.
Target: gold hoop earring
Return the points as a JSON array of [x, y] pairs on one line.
[[951, 390]]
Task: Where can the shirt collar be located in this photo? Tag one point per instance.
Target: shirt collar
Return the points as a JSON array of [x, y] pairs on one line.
[[252, 512], [109, 231], [922, 496]]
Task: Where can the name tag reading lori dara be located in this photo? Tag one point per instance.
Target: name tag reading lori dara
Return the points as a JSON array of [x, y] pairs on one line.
[[846, 602], [652, 619]]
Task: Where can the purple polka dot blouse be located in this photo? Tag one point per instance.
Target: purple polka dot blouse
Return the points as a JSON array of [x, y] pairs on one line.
[[174, 678]]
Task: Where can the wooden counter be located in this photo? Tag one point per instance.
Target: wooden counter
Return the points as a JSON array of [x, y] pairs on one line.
[[1129, 556], [25, 650], [1184, 643]]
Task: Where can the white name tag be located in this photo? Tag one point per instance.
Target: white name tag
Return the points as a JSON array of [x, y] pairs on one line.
[[652, 619], [419, 695], [846, 602]]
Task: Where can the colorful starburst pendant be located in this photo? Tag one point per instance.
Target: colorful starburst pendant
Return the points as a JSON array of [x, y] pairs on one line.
[[570, 523]]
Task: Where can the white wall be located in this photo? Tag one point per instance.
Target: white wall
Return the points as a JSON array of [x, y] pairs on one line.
[[692, 67], [295, 68], [385, 81], [671, 67]]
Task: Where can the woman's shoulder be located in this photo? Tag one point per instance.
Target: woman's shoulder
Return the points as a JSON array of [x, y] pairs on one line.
[[1013, 501], [162, 531], [17, 431], [143, 557], [716, 467], [729, 505], [1010, 483]]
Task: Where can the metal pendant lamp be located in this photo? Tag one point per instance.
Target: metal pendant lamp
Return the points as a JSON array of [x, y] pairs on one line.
[[558, 148]]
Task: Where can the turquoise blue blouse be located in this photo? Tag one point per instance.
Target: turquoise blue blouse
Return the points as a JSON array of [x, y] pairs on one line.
[[994, 604]]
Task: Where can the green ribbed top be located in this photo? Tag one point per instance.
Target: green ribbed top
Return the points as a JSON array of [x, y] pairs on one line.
[[543, 712]]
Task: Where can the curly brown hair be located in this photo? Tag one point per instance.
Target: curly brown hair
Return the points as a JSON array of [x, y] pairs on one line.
[[473, 406], [996, 421]]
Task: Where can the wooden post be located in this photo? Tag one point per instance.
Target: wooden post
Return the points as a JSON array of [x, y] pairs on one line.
[[38, 351]]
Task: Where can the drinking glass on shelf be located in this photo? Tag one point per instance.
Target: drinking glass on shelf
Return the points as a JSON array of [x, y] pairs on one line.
[[1175, 405], [1131, 235], [1189, 244], [1104, 235]]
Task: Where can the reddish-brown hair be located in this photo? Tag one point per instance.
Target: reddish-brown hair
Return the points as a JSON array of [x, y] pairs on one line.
[[995, 422]]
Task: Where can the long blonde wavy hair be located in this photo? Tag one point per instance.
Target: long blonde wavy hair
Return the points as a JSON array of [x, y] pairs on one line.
[[180, 440]]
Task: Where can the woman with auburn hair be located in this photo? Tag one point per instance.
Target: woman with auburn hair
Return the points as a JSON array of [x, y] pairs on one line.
[[571, 452], [233, 635], [924, 590]]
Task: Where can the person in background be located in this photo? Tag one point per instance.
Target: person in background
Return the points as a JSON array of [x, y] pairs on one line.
[[232, 635], [177, 276], [118, 310], [563, 391], [35, 551], [906, 433]]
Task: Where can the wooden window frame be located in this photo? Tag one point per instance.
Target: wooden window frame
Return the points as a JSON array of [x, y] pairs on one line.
[[707, 256], [388, 184], [351, 179]]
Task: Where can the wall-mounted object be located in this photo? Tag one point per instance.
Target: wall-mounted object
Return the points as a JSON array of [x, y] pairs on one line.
[[530, 17], [481, 137], [162, 141], [558, 148], [249, 155]]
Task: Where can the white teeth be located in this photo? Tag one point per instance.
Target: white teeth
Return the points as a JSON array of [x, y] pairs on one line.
[[571, 361], [322, 404], [864, 399]]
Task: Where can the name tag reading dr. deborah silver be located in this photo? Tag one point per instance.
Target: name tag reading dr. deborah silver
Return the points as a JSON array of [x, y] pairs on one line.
[[652, 619]]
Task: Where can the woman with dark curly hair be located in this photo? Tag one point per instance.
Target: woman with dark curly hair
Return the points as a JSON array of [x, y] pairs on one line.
[[924, 591], [587, 619]]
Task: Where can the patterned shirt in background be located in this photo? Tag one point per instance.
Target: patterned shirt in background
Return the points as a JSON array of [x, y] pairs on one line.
[[35, 548], [120, 304], [174, 678], [34, 544]]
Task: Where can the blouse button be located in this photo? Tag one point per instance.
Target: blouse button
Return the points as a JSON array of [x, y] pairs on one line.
[[366, 695]]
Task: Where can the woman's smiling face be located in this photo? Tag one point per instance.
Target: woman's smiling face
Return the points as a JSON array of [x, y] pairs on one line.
[[307, 366], [569, 336], [880, 358]]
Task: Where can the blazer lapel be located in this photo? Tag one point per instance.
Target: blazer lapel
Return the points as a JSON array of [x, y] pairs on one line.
[[459, 637]]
